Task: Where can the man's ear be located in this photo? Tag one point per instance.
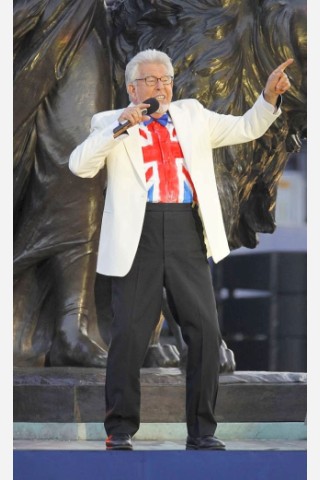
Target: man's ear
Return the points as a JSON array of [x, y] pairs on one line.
[[131, 89]]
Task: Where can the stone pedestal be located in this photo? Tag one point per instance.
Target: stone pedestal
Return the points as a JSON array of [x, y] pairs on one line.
[[69, 394]]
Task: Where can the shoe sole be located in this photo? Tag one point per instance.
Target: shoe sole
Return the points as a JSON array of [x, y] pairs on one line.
[[119, 448], [203, 449]]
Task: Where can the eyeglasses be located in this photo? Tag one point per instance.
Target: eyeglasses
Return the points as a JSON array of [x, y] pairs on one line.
[[152, 81]]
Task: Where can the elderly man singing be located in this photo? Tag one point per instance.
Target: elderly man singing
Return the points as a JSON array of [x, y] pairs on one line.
[[162, 219]]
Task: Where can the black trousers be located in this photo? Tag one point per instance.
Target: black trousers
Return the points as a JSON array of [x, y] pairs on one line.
[[171, 253]]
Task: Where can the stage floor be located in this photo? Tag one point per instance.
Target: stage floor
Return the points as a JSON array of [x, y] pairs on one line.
[[262, 451], [272, 444], [158, 460]]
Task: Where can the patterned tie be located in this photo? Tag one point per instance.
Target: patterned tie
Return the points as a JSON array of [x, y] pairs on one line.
[[162, 120]]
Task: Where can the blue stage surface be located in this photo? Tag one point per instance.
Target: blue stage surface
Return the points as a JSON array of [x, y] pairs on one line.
[[159, 465]]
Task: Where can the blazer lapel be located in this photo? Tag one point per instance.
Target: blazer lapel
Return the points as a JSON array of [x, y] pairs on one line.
[[134, 150]]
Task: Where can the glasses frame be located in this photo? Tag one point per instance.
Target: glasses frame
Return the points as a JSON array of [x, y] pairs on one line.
[[157, 79]]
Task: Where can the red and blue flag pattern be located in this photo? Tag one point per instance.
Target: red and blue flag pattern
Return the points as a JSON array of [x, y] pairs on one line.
[[167, 177]]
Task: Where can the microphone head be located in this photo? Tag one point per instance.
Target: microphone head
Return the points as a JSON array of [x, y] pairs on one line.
[[154, 105]]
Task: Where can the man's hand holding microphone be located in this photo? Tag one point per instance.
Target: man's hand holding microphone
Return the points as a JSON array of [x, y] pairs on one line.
[[135, 114]]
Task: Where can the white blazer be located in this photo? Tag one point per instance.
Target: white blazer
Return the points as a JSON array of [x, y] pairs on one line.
[[199, 131]]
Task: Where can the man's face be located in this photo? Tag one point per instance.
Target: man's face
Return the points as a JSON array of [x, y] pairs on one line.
[[140, 91]]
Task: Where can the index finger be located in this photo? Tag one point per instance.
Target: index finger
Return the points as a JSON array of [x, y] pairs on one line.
[[285, 64], [143, 105]]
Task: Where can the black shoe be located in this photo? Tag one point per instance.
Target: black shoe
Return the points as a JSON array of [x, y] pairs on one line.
[[119, 441], [207, 442]]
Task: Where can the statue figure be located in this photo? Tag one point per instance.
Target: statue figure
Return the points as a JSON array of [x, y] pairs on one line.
[[62, 76], [69, 59]]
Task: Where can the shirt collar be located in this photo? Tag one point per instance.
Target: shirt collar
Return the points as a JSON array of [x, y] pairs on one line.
[[163, 120]]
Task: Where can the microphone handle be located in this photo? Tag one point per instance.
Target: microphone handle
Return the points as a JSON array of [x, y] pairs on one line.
[[120, 129]]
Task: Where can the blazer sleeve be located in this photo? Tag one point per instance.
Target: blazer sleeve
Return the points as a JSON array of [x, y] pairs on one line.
[[226, 130], [90, 156]]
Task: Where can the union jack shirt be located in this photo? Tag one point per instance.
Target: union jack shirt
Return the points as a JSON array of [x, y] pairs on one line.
[[168, 179]]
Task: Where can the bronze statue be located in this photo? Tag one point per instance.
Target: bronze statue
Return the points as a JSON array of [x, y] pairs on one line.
[[62, 75], [69, 59]]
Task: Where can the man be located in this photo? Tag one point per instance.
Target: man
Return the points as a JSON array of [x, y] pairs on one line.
[[161, 203]]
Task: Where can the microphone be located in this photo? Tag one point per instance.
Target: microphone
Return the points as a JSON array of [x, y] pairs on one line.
[[154, 105]]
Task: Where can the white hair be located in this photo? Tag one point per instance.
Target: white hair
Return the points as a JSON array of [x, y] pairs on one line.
[[147, 56]]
